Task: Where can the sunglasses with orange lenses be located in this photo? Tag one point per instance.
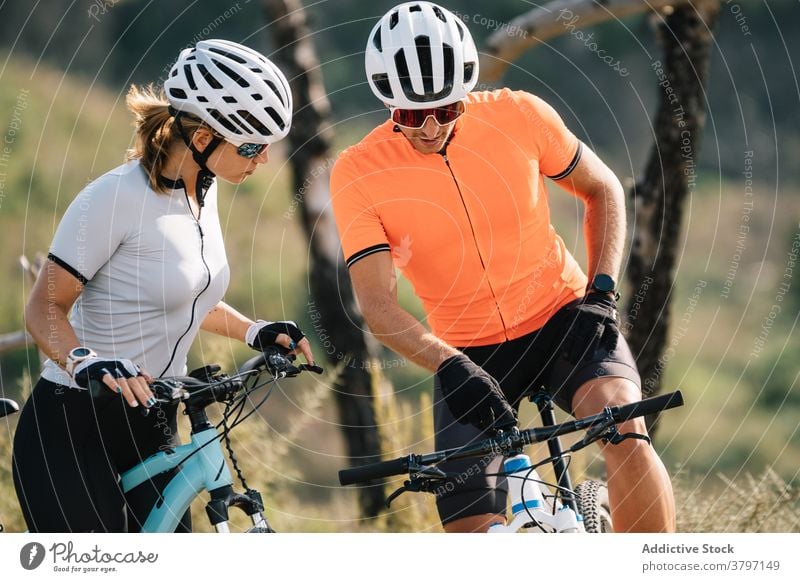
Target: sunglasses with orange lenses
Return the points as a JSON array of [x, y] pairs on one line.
[[416, 118]]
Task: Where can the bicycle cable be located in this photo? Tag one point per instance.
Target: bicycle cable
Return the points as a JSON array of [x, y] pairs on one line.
[[216, 427]]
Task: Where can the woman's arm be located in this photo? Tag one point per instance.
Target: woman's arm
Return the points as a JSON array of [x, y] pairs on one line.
[[51, 298], [224, 320], [46, 317]]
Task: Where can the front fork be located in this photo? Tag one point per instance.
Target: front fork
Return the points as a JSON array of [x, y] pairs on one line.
[[249, 502]]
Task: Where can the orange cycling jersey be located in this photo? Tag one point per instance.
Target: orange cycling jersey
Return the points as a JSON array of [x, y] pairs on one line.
[[470, 226]]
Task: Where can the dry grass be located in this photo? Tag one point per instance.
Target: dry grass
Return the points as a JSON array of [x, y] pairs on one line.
[[750, 504], [268, 457]]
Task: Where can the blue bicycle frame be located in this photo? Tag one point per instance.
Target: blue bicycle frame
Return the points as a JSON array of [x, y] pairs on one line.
[[206, 469], [200, 465]]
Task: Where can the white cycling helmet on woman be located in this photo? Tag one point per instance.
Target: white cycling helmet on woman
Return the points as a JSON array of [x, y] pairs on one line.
[[420, 55], [235, 90]]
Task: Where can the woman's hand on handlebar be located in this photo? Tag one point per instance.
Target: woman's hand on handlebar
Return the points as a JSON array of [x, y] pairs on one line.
[[120, 376], [286, 334]]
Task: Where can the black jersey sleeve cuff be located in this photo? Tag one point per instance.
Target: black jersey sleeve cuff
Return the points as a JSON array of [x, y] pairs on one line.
[[568, 170], [354, 258], [68, 268]]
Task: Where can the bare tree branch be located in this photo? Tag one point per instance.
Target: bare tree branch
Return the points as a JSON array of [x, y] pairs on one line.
[[15, 340], [552, 20]]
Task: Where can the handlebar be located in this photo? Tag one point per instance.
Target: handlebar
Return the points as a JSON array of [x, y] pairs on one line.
[[207, 384], [7, 407], [514, 440]]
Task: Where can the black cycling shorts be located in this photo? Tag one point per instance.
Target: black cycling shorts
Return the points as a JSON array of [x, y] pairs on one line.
[[520, 366], [69, 452]]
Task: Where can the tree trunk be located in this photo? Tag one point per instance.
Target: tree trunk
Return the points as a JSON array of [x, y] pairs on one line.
[[670, 175], [557, 17], [337, 320]]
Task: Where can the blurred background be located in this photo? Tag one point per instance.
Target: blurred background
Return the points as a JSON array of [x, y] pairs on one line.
[[732, 348]]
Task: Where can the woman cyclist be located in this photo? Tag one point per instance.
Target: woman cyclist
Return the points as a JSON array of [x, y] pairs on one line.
[[136, 268]]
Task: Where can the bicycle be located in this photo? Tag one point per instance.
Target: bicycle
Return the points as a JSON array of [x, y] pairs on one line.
[[7, 407], [200, 465], [534, 506]]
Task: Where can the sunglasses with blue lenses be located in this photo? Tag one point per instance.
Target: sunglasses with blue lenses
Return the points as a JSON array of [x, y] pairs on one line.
[[250, 150]]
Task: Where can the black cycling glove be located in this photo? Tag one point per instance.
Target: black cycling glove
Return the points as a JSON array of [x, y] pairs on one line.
[[262, 334], [96, 368], [592, 325], [473, 396]]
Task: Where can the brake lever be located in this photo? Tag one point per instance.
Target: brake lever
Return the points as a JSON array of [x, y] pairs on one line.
[[311, 368], [417, 484], [280, 363]]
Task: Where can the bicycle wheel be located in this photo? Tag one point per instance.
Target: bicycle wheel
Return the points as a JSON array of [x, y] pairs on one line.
[[592, 498]]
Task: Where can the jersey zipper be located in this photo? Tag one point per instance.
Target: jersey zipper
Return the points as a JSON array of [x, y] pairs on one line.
[[203, 290], [475, 239]]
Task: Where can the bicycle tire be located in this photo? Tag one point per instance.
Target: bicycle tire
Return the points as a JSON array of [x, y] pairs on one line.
[[592, 499]]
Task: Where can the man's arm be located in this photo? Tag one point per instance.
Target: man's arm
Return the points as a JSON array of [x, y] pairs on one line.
[[604, 223], [374, 284]]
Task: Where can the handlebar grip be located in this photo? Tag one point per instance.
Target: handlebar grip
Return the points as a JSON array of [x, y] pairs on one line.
[[7, 407], [373, 471], [648, 406]]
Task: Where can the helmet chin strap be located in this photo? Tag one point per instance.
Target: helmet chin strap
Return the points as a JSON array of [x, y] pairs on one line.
[[205, 177]]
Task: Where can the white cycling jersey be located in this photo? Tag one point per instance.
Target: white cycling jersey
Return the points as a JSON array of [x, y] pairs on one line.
[[151, 272]]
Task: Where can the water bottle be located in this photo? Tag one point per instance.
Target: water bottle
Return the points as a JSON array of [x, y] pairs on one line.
[[523, 486]]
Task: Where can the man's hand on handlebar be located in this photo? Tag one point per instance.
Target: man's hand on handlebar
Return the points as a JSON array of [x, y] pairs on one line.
[[473, 396]]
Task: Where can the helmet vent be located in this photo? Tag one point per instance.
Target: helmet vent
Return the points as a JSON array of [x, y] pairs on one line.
[[426, 70], [239, 122], [381, 81], [439, 14], [469, 70], [177, 93], [425, 63], [376, 40], [415, 8], [232, 74], [275, 117], [187, 70], [256, 97], [393, 20], [209, 77], [255, 123], [275, 90], [229, 55], [224, 121], [229, 99], [460, 29]]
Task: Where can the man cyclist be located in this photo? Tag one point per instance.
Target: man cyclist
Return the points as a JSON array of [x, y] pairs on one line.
[[452, 187]]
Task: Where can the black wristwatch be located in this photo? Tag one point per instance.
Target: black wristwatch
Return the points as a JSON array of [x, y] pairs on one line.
[[603, 283]]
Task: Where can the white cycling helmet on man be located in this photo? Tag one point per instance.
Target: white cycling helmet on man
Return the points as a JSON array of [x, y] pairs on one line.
[[235, 91], [420, 55]]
